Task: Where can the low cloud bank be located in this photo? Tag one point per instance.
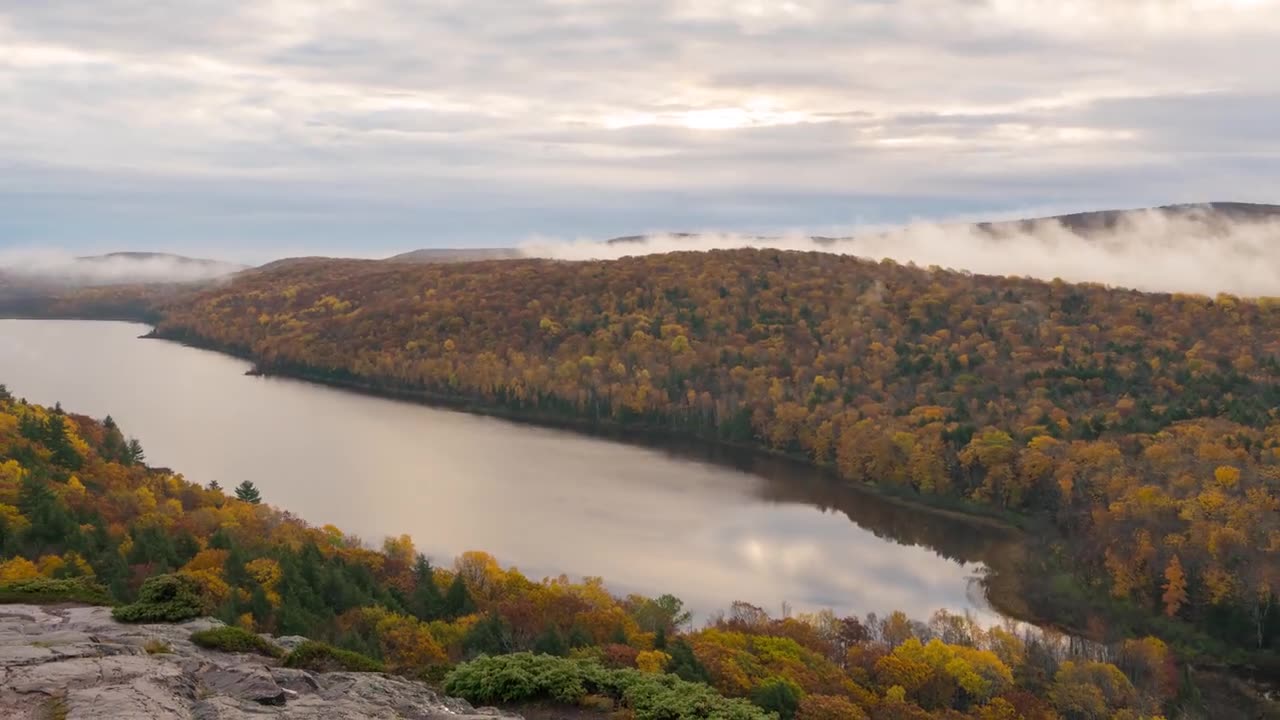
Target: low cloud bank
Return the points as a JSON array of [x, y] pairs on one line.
[[51, 266], [1198, 250]]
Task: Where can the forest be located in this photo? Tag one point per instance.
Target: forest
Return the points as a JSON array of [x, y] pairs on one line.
[[1137, 434], [83, 517]]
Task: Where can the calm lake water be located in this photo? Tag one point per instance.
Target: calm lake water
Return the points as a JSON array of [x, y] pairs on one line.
[[707, 527]]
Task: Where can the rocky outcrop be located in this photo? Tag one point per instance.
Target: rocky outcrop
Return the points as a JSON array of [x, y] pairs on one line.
[[76, 662]]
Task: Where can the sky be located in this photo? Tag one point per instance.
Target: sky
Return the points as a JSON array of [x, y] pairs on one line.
[[248, 131]]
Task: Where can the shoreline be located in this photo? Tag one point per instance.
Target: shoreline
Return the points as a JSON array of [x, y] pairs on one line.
[[650, 436], [1001, 584]]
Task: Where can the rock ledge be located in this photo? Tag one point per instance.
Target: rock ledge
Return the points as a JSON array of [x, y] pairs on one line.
[[77, 662]]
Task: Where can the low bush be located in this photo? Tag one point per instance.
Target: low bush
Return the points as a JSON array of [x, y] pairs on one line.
[[319, 657], [48, 590], [234, 639], [163, 598], [157, 647], [524, 677]]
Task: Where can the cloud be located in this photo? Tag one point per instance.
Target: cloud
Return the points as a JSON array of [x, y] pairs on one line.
[[59, 267], [1194, 251], [528, 108]]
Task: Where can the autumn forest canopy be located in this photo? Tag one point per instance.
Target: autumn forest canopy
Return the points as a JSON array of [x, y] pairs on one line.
[[1135, 435], [82, 518]]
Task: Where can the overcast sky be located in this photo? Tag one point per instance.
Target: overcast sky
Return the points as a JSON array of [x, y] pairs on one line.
[[254, 129]]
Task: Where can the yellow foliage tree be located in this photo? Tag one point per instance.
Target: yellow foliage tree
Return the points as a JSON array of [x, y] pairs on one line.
[[18, 568], [1175, 587], [652, 661]]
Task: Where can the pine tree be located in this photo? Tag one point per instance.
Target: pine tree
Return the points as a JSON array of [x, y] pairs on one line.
[[248, 492], [57, 441], [490, 636], [579, 637], [457, 601], [425, 601], [51, 524], [114, 447], [220, 540], [133, 453], [551, 642], [30, 427], [260, 607], [684, 663], [233, 568], [214, 486]]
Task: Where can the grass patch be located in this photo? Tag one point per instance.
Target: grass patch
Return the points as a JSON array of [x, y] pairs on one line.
[[39, 591], [163, 599], [157, 647], [234, 639], [55, 708], [319, 657]]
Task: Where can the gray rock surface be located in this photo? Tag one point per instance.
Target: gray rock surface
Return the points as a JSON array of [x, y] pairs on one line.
[[76, 662]]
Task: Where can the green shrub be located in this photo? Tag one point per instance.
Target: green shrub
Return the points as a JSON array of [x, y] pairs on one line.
[[49, 590], [527, 677], [163, 598], [319, 657], [233, 639]]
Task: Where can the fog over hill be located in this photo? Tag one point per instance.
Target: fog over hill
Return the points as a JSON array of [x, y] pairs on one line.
[[40, 268], [1207, 248]]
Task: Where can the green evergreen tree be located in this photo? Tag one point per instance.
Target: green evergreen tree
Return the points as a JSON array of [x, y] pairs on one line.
[[133, 453], [51, 524], [490, 636], [233, 568], [63, 454], [152, 545], [579, 637], [30, 427], [684, 664], [660, 639], [8, 540], [114, 447], [220, 540], [551, 642], [260, 606], [248, 492], [457, 600], [425, 602]]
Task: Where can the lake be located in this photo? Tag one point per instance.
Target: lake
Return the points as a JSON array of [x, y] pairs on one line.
[[708, 526]]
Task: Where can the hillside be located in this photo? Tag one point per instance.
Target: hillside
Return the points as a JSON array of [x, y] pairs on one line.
[[1143, 426], [453, 255]]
